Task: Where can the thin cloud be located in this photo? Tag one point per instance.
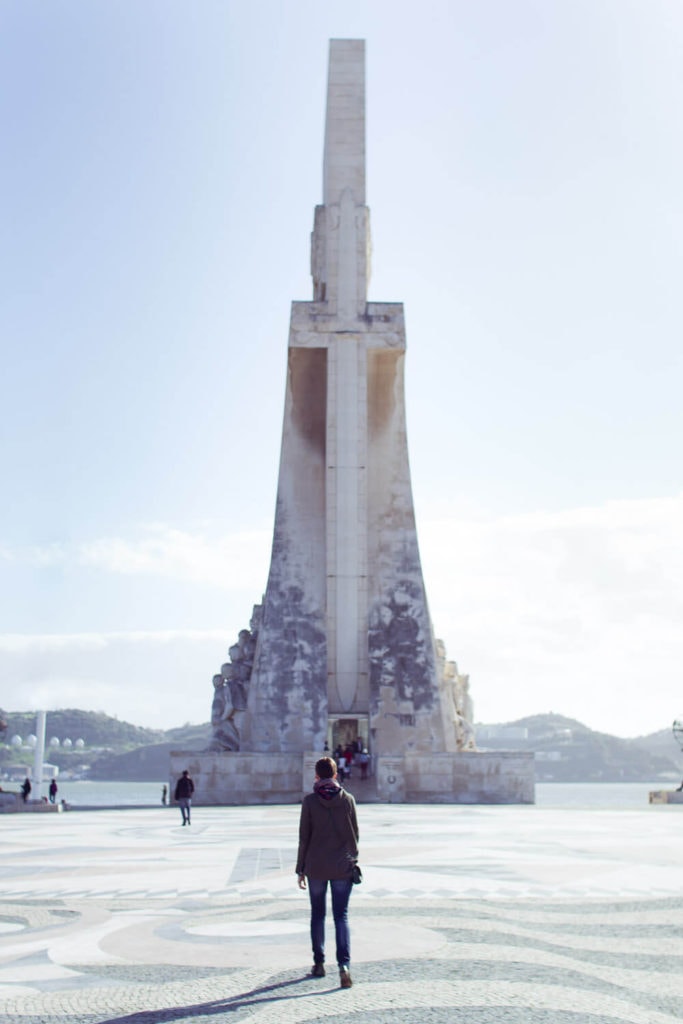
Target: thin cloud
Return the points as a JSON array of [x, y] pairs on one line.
[[577, 611], [175, 554], [158, 679], [223, 561], [53, 642]]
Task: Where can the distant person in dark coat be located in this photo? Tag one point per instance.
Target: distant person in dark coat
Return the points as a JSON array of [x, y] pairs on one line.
[[183, 795], [25, 789], [53, 791]]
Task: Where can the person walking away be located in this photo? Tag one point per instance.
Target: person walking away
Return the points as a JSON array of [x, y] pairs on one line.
[[183, 795], [364, 764], [328, 851], [25, 789], [164, 793], [341, 767], [53, 791]]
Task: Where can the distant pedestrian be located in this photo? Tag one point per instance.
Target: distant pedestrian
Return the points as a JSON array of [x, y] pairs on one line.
[[25, 789], [164, 794], [53, 791], [328, 852], [364, 764], [341, 767], [183, 795]]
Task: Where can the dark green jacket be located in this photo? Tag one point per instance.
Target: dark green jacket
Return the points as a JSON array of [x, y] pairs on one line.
[[328, 837]]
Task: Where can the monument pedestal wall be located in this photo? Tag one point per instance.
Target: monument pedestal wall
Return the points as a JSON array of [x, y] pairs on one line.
[[476, 777], [666, 796], [235, 778]]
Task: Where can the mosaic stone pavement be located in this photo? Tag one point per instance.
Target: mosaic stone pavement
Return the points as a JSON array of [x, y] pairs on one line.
[[466, 914]]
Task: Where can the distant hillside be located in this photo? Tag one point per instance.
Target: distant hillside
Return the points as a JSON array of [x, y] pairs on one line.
[[568, 751], [138, 765], [190, 737], [111, 749], [94, 727], [151, 762], [661, 742]]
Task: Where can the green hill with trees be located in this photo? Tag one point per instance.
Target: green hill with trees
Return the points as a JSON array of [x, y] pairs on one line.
[[97, 746]]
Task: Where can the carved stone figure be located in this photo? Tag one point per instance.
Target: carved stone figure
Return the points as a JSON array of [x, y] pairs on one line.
[[464, 730], [225, 735], [231, 686], [456, 690]]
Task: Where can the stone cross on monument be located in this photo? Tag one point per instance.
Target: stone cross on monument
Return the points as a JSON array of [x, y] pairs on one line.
[[341, 649]]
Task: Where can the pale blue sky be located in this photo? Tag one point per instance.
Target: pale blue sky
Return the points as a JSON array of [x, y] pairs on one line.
[[161, 162]]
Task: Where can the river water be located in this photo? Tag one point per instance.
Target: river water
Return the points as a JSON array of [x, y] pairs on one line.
[[553, 795]]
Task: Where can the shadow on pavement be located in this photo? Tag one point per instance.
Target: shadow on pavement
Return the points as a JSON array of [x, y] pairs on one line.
[[264, 994]]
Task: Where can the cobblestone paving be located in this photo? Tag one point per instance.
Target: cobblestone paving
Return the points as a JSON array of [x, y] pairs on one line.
[[470, 915]]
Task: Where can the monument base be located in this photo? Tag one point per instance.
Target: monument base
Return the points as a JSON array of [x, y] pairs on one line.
[[477, 777], [474, 777], [666, 796], [234, 778]]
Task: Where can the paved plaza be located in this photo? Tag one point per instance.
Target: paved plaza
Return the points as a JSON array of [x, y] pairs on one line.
[[466, 914]]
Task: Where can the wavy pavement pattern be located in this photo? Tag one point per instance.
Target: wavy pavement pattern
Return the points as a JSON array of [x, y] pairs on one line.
[[153, 962]]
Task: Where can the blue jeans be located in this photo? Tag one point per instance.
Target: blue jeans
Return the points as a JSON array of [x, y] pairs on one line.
[[184, 803], [341, 890]]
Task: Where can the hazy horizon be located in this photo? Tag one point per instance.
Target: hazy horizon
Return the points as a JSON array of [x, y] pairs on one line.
[[207, 722]]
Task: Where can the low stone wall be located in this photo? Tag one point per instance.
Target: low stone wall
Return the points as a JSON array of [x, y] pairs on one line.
[[475, 777], [8, 802], [666, 796], [486, 777], [12, 803], [226, 779]]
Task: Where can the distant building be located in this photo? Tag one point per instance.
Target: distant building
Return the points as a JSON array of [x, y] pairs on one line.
[[502, 732]]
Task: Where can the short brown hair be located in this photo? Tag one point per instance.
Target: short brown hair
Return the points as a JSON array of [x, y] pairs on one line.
[[325, 768]]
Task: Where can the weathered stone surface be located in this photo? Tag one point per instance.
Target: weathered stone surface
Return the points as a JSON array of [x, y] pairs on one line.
[[238, 778]]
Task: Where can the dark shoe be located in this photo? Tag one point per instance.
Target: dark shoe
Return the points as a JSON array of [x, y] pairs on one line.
[[345, 977], [318, 971]]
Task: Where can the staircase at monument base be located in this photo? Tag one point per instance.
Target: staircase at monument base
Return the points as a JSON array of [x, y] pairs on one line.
[[364, 790]]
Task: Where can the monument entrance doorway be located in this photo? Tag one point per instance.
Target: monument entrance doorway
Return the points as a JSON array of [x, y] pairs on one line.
[[345, 732]]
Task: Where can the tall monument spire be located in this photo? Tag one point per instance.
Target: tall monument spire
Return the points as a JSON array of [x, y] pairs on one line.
[[340, 249], [344, 156], [342, 648], [345, 635]]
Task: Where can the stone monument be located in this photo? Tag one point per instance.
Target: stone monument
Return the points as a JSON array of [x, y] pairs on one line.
[[342, 650]]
